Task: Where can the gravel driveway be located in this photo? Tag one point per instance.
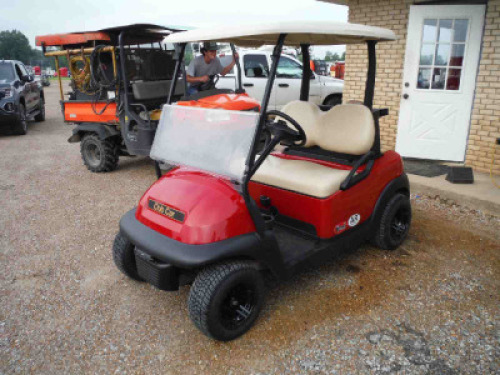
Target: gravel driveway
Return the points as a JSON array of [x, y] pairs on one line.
[[430, 307]]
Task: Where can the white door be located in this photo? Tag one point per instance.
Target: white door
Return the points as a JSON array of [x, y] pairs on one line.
[[442, 56]]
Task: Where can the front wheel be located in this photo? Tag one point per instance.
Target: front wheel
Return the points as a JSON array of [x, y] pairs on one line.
[[226, 298], [124, 257], [394, 224], [99, 155]]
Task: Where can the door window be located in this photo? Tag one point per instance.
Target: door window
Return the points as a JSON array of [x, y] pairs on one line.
[[255, 66], [287, 68], [442, 54]]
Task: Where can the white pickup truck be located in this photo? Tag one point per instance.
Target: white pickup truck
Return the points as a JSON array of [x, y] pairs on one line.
[[255, 69]]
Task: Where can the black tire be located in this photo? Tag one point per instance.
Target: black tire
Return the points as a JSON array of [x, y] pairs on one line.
[[41, 116], [124, 257], [226, 299], [99, 155], [333, 100], [394, 224], [21, 126]]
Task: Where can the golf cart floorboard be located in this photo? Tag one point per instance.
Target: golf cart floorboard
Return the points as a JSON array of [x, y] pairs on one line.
[[293, 245]]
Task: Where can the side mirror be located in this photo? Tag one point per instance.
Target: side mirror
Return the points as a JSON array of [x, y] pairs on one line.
[[26, 78]]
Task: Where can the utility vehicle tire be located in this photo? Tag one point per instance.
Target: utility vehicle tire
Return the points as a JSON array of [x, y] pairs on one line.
[[21, 126], [41, 116], [226, 299], [124, 257], [333, 100], [99, 155], [394, 224]]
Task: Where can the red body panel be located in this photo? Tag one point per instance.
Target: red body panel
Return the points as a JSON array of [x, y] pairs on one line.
[[213, 210], [70, 39], [333, 212], [84, 112], [235, 102]]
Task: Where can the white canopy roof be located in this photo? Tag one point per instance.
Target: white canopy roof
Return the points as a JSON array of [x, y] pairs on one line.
[[314, 33]]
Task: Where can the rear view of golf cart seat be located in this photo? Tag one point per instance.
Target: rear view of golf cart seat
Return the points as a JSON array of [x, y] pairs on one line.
[[346, 129]]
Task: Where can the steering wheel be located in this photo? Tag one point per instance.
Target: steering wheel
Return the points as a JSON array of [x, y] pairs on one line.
[[210, 84], [282, 129]]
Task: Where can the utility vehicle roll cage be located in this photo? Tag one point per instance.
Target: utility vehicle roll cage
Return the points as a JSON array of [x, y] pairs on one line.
[[123, 43], [350, 34]]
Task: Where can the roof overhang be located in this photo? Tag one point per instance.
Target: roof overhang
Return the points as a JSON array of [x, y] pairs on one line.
[[339, 2], [301, 32]]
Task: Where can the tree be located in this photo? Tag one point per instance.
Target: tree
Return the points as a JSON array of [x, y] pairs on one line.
[[14, 46], [342, 58], [329, 56]]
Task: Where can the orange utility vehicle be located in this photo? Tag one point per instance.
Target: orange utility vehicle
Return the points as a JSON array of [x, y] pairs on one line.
[[120, 79]]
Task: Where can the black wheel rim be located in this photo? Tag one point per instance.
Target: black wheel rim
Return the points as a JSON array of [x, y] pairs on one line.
[[400, 224], [93, 154], [238, 306]]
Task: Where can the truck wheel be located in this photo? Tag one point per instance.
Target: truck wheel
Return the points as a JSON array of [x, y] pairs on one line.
[[226, 298], [21, 126], [99, 155], [124, 257], [41, 115], [394, 224], [333, 100]]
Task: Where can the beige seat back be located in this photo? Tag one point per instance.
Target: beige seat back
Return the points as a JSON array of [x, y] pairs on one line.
[[347, 128], [307, 115]]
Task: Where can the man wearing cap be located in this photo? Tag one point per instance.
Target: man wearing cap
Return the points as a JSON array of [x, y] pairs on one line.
[[202, 67]]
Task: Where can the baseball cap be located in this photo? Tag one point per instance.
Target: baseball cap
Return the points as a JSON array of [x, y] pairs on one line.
[[210, 46]]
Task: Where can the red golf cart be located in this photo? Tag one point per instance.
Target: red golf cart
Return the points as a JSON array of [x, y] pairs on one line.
[[232, 212]]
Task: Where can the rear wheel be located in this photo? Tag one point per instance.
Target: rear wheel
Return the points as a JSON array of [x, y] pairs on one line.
[[333, 100], [225, 299], [41, 114], [99, 155], [124, 257], [394, 224], [21, 126]]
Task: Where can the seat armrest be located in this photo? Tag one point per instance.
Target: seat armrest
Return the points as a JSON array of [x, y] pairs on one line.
[[353, 178]]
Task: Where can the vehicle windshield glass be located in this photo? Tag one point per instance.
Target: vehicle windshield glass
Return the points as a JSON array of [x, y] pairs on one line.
[[6, 73], [213, 140]]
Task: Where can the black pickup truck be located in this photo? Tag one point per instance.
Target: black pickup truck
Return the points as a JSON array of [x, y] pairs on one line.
[[21, 98]]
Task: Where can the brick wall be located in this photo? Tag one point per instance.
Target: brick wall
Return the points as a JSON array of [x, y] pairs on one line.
[[393, 14], [485, 123]]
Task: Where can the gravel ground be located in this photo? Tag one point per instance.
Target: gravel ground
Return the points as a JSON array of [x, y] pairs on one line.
[[430, 307]]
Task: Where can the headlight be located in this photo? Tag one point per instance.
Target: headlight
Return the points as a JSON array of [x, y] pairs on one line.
[[7, 93]]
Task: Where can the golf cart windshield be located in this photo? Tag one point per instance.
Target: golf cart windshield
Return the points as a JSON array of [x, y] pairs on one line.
[[213, 140]]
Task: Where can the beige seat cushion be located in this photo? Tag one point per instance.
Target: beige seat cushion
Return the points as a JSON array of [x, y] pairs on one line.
[[300, 176]]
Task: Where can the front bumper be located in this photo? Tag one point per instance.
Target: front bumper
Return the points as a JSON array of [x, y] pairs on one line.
[[181, 255], [8, 111]]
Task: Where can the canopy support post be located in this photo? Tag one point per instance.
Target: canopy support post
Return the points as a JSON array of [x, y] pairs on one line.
[[370, 77], [179, 56], [59, 78], [306, 73], [240, 89]]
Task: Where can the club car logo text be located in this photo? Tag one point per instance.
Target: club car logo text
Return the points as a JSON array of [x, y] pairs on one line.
[[166, 211]]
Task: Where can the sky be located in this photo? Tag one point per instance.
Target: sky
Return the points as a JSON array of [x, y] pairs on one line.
[[35, 17]]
